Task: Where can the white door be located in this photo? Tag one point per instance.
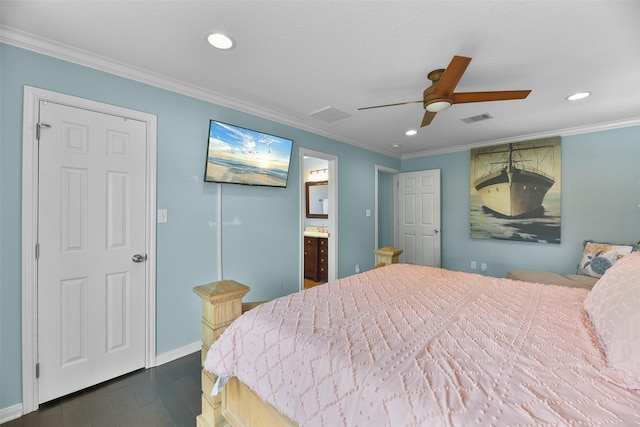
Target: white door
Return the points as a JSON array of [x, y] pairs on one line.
[[419, 217], [91, 223]]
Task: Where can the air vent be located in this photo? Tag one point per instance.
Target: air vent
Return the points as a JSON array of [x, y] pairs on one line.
[[329, 114], [481, 117]]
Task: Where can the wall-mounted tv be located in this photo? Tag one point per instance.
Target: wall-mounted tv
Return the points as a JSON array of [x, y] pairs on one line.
[[236, 155]]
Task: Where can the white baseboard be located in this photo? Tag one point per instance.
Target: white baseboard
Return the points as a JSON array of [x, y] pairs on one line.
[[10, 413], [177, 353]]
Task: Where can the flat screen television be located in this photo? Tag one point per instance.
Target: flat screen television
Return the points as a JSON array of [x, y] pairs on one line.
[[236, 155]]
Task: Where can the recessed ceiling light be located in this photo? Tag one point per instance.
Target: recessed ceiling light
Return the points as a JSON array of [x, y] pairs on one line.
[[577, 95], [396, 146], [411, 132], [220, 41]]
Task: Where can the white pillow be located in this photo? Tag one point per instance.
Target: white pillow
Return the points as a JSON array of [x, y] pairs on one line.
[[613, 306]]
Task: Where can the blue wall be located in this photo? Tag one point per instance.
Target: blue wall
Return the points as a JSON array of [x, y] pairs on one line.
[[600, 198], [260, 231], [601, 193], [385, 209]]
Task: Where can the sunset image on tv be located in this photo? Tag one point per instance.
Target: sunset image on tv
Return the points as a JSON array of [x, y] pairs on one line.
[[242, 156]]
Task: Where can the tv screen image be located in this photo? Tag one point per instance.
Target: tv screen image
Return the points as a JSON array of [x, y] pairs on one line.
[[236, 155]]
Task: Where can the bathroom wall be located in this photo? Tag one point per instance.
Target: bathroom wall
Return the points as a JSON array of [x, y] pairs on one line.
[[315, 164]]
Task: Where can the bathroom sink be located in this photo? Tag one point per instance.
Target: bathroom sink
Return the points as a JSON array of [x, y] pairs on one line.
[[311, 231], [315, 234]]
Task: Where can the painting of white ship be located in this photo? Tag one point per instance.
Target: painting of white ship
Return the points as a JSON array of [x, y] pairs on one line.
[[511, 183]]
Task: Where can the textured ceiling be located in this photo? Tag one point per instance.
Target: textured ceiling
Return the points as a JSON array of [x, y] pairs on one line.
[[296, 57]]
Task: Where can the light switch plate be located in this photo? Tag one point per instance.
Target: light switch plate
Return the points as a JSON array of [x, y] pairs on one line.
[[162, 216]]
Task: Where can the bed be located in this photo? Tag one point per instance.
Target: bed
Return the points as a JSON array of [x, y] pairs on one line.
[[405, 345]]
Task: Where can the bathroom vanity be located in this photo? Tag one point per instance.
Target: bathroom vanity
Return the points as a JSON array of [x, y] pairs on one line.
[[316, 266]]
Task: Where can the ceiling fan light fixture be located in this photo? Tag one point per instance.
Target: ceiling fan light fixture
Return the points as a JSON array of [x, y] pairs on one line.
[[437, 106], [220, 41], [578, 95], [440, 95]]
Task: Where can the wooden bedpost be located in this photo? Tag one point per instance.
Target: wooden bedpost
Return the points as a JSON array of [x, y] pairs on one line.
[[387, 255], [221, 305]]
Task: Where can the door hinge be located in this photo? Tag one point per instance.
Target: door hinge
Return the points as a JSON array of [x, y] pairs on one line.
[[37, 250], [37, 370], [39, 126]]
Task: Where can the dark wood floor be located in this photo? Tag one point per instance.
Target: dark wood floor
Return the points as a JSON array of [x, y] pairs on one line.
[[167, 395]]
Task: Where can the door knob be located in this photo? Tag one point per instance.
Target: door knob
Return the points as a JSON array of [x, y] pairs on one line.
[[436, 231], [139, 258]]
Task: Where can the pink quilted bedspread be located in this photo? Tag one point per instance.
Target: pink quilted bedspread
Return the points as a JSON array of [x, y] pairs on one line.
[[418, 346]]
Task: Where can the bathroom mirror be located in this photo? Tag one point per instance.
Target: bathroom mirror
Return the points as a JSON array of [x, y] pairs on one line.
[[318, 199]]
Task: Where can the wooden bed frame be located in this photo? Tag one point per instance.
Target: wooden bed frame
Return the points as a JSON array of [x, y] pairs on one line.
[[239, 406]]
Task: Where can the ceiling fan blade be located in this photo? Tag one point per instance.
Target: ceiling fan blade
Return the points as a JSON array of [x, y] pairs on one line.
[[390, 105], [452, 75], [428, 117], [501, 95]]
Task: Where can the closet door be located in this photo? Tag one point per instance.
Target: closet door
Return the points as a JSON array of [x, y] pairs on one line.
[[419, 217]]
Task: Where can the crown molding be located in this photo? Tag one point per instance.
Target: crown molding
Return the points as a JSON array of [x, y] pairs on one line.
[[88, 59], [558, 132], [84, 58]]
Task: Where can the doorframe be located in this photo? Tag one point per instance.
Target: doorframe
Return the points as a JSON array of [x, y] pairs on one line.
[[333, 213], [32, 98], [376, 191]]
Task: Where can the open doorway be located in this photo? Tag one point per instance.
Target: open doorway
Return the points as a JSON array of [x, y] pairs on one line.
[[414, 225], [386, 207], [318, 213]]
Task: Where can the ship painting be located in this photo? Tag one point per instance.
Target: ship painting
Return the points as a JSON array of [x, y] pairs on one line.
[[509, 183], [515, 190]]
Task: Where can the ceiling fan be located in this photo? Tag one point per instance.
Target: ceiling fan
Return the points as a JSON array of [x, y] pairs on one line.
[[440, 96]]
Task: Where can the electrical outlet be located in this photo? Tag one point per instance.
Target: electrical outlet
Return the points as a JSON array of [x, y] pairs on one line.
[[473, 265], [357, 268], [483, 267]]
